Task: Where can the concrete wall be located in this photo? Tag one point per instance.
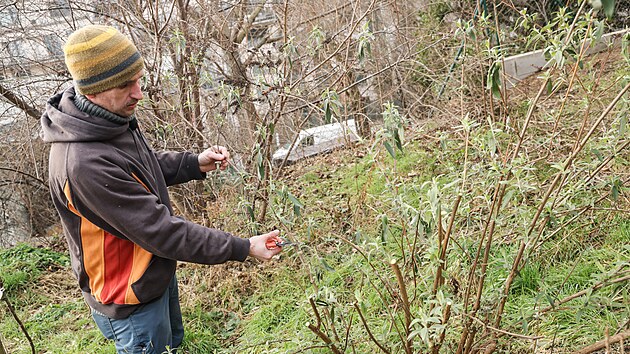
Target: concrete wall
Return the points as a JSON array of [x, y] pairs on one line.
[[522, 66]]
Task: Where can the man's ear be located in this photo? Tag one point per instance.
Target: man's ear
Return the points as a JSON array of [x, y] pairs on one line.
[[92, 98]]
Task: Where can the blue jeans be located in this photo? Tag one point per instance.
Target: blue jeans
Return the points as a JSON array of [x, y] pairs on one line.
[[148, 330]]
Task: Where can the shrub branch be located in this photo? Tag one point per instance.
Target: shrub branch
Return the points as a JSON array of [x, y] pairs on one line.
[[604, 342], [15, 316]]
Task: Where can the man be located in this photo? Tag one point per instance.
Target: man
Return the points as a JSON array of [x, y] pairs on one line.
[[110, 190]]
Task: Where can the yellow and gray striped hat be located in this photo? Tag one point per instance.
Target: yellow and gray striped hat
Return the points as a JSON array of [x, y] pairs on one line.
[[100, 58]]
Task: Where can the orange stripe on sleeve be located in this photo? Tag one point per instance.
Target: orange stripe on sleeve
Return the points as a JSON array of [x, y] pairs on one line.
[[140, 181]]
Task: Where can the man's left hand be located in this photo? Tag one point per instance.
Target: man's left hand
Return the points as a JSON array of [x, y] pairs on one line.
[[212, 157]]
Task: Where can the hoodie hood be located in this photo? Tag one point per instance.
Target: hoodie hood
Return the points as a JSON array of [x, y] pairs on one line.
[[64, 122]]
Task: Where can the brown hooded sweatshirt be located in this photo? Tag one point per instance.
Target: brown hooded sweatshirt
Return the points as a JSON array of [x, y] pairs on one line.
[[110, 190]]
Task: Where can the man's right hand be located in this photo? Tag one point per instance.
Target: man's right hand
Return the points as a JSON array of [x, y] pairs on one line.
[[213, 157], [258, 246]]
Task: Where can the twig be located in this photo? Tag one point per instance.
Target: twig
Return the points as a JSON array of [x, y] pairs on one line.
[[317, 316], [323, 337], [348, 329], [516, 335], [584, 292], [385, 283], [405, 301], [602, 343], [339, 48], [383, 348], [388, 287], [439, 277], [24, 174], [446, 315], [15, 316], [576, 216]]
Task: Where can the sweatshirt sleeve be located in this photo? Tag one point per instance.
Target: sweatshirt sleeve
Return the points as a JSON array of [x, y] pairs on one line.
[[179, 167], [117, 201]]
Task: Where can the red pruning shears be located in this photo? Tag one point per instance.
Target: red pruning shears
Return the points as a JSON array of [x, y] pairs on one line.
[[274, 242]]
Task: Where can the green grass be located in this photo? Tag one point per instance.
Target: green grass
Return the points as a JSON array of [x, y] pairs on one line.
[[65, 328], [583, 320], [56, 327], [22, 264], [207, 329]]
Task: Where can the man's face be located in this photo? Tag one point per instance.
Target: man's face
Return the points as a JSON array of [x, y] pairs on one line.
[[121, 100]]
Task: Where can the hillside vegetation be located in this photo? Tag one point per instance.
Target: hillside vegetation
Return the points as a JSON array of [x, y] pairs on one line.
[[499, 222], [407, 245]]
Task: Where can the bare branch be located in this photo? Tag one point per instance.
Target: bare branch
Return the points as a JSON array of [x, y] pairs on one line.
[[602, 343], [25, 174], [19, 102]]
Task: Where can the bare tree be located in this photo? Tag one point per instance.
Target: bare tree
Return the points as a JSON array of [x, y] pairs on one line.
[[252, 73], [247, 74], [30, 68]]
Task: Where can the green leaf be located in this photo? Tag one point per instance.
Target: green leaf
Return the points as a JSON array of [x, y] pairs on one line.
[[470, 31], [332, 105], [599, 155], [599, 31], [558, 166], [496, 88], [327, 266], [398, 141], [524, 324], [494, 80], [327, 113], [384, 227], [294, 200], [551, 301], [616, 188], [424, 334], [623, 125], [250, 213], [389, 149], [549, 86], [507, 198], [625, 46], [558, 58], [609, 7], [272, 128], [321, 302], [261, 166]]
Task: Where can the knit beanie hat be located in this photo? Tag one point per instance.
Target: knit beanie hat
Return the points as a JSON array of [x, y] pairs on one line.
[[100, 58]]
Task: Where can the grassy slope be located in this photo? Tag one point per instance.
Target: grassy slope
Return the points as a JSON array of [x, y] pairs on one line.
[[264, 308], [361, 209]]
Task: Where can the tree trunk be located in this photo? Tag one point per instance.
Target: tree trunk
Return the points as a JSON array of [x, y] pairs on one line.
[[356, 106]]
